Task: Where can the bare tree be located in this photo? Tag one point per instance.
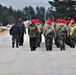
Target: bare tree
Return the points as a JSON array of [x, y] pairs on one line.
[[11, 19]]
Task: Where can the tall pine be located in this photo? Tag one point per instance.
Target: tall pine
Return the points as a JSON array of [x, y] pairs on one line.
[[64, 8]]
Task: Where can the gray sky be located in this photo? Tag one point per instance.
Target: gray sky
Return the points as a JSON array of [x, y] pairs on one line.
[[20, 4]]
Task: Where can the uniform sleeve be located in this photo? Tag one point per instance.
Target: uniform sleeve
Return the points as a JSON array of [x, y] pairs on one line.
[[41, 28], [44, 28], [67, 29], [24, 28], [54, 33], [11, 31], [37, 30]]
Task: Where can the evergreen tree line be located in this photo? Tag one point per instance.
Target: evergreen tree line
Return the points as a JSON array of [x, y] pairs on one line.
[[58, 8], [9, 15]]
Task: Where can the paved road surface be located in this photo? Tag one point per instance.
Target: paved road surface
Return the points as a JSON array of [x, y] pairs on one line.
[[21, 61]]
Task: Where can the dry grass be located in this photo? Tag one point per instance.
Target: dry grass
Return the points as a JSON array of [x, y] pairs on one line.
[[4, 31]]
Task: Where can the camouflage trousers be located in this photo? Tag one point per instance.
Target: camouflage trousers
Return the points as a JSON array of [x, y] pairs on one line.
[[49, 41], [15, 39], [38, 40], [72, 41], [60, 40]]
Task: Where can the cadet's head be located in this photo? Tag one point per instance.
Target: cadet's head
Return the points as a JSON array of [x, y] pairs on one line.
[[62, 22], [49, 19], [20, 19], [49, 22], [72, 23], [33, 21], [38, 21]]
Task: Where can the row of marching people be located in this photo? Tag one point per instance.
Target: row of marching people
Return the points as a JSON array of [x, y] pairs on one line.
[[62, 32], [35, 30], [65, 33]]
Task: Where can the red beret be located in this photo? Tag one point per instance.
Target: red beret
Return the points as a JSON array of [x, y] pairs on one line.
[[20, 19], [49, 22], [33, 21]]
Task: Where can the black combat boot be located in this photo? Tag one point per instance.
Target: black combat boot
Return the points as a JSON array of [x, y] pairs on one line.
[[50, 49], [31, 49], [63, 48], [13, 45], [38, 45], [47, 48], [17, 46]]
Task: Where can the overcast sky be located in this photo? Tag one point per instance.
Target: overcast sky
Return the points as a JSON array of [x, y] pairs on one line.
[[20, 4]]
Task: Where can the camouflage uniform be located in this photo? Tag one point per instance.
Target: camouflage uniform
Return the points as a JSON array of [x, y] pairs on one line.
[[56, 26], [49, 33], [72, 35], [61, 35], [23, 30], [39, 37], [32, 31]]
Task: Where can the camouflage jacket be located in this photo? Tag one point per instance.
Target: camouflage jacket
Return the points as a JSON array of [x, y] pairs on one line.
[[32, 30], [39, 26], [22, 27], [63, 28], [49, 29]]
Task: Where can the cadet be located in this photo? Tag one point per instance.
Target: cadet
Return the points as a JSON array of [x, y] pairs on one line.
[[62, 33], [72, 33], [15, 32], [32, 31], [23, 30], [39, 37], [56, 26], [49, 33]]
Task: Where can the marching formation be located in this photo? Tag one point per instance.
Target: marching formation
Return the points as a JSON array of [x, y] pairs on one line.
[[61, 31]]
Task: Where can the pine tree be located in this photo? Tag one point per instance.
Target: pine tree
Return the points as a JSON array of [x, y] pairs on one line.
[[64, 8]]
